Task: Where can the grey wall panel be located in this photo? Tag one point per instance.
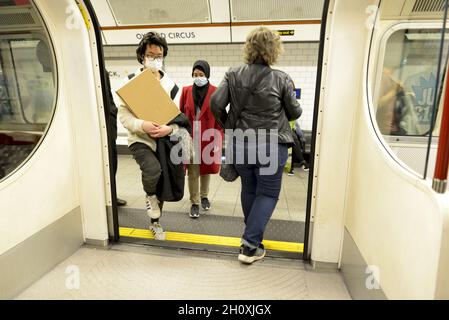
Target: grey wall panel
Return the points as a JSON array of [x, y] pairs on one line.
[[30, 260], [354, 270]]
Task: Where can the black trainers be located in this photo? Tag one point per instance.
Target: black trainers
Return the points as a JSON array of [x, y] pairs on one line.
[[194, 211], [248, 256], [205, 204], [291, 172]]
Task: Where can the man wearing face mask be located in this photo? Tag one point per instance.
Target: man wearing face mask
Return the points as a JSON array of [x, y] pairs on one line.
[[143, 135], [194, 103]]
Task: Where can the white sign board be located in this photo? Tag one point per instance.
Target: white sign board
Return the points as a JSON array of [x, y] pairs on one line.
[[172, 35], [192, 35]]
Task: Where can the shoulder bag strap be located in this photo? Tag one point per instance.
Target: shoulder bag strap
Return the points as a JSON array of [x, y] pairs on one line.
[[236, 108]]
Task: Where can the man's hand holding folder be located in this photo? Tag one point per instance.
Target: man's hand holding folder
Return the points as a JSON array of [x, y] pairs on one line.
[[155, 130]]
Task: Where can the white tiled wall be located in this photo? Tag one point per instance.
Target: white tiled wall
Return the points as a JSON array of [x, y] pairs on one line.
[[299, 61]]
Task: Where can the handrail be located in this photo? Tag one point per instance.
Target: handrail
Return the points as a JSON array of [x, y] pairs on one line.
[[442, 163], [439, 84]]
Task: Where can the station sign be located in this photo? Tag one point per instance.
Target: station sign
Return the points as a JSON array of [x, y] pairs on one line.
[[172, 35], [210, 34], [286, 32]]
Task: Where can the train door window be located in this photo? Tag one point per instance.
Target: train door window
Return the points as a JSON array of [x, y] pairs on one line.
[[27, 94], [406, 85]]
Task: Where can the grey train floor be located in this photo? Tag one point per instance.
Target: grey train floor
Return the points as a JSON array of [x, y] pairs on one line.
[[148, 273]]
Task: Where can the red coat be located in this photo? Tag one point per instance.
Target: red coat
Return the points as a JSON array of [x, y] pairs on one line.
[[207, 120]]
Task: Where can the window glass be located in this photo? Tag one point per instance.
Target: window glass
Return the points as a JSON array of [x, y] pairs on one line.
[[407, 86], [404, 94]]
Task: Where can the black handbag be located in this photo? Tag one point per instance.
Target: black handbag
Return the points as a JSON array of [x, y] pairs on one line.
[[227, 170]]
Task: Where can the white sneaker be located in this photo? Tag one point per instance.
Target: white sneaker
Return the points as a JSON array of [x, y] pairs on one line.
[[248, 255], [157, 231], [153, 210]]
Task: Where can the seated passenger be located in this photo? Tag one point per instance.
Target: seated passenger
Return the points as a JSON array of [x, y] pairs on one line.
[[395, 108], [195, 104], [144, 137], [298, 150], [387, 110]]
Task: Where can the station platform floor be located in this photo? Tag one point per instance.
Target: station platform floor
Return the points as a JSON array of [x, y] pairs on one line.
[[148, 273], [224, 196]]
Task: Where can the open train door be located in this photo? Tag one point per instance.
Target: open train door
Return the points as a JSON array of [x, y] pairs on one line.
[[220, 228]]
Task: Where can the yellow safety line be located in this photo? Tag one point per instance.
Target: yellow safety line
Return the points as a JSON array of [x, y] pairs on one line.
[[84, 14], [214, 240]]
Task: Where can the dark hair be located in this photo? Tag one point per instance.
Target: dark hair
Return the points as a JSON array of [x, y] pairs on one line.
[[149, 39]]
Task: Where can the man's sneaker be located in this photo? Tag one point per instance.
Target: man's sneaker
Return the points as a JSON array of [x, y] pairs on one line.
[[304, 165], [291, 173], [205, 204], [121, 202], [157, 231], [153, 210], [194, 211], [248, 255]]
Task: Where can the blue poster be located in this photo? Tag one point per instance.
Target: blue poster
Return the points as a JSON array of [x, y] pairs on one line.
[[424, 91]]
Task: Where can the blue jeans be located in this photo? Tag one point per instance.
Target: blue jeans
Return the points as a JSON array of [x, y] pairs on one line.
[[260, 193]]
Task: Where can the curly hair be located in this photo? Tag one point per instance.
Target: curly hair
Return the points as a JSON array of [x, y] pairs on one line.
[[149, 39], [262, 44]]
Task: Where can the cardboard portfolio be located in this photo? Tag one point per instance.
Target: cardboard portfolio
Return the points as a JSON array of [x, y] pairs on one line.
[[147, 100]]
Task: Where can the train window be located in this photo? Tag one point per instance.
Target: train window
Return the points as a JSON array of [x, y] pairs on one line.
[[405, 90], [407, 86], [27, 95]]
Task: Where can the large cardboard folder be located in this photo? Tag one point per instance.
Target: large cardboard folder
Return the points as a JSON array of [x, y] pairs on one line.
[[147, 100]]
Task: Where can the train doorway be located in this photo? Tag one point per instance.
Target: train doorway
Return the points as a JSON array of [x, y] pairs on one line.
[[220, 228]]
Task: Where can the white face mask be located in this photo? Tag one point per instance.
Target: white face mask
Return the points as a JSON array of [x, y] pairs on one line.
[[200, 81], [154, 63]]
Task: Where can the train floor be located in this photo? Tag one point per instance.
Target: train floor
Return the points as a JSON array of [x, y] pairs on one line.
[[149, 273]]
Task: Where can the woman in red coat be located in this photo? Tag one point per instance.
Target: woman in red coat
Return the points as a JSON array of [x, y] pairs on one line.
[[207, 136]]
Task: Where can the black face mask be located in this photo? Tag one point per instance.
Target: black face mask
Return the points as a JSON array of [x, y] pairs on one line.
[[199, 95]]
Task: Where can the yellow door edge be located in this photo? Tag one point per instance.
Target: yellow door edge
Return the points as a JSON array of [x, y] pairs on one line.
[[211, 240]]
